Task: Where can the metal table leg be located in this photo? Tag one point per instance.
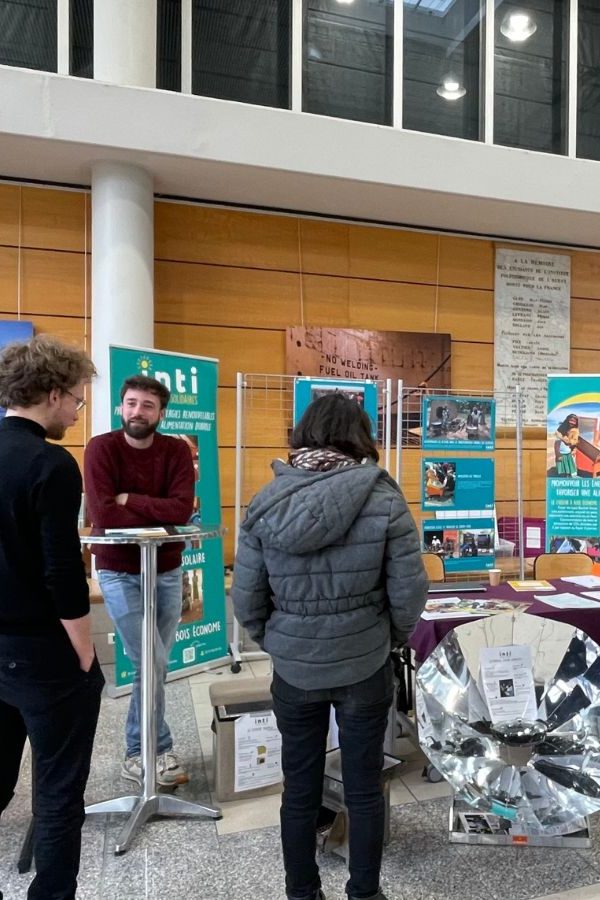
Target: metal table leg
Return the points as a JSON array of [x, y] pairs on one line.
[[149, 802]]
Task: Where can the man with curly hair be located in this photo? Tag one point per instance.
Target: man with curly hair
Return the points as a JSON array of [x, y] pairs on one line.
[[50, 678]]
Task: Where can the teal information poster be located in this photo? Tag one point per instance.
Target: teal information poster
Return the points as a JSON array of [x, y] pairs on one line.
[[362, 392], [190, 417], [457, 483], [465, 545], [573, 464]]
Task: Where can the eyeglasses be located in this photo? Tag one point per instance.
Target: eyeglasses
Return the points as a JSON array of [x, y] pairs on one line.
[[79, 401]]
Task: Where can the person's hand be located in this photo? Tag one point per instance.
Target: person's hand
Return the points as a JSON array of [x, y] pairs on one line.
[[121, 499]]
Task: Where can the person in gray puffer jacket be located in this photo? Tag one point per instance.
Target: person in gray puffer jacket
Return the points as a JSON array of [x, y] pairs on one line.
[[328, 578]]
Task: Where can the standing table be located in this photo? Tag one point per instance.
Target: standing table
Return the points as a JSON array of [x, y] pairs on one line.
[[149, 803]]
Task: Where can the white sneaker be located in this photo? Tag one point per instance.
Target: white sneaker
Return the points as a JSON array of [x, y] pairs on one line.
[[132, 769], [171, 766]]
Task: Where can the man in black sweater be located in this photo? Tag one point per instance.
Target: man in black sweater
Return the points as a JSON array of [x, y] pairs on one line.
[[50, 679]]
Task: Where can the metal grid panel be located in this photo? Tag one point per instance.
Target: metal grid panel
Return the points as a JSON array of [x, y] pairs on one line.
[[507, 459]]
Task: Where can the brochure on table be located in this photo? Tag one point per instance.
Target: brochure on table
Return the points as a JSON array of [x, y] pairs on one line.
[[573, 467], [465, 607], [449, 483], [190, 417], [465, 545], [458, 423], [363, 392]]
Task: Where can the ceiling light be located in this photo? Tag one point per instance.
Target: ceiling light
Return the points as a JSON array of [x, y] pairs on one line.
[[345, 2], [451, 88], [518, 26]]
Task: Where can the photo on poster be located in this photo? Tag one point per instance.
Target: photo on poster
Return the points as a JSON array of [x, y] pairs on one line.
[[573, 464], [362, 392], [464, 545], [466, 423], [14, 330], [448, 483]]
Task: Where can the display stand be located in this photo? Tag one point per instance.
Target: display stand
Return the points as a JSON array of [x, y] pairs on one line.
[[501, 834], [149, 802], [264, 420]]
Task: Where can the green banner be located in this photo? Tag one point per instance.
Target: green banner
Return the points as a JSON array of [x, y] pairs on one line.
[[191, 416]]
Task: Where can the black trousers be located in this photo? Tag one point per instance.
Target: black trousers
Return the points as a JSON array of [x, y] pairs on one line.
[[303, 719], [44, 695]]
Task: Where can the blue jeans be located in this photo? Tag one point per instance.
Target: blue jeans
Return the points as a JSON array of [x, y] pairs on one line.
[[123, 600], [361, 712]]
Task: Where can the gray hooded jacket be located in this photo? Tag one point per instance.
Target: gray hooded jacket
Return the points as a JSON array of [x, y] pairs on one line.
[[328, 573]]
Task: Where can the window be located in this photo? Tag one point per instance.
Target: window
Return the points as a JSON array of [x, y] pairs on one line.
[[241, 50], [82, 38], [348, 62], [168, 45], [531, 51], [28, 34], [442, 72], [588, 95]]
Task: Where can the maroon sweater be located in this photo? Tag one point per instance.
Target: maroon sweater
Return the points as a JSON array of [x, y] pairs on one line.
[[160, 483]]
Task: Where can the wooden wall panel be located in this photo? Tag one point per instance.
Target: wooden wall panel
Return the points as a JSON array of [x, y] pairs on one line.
[[325, 247], [393, 255], [585, 274], [466, 262], [9, 214], [585, 324], [52, 282], [237, 350], [8, 278], [226, 237], [472, 366], [53, 219], [468, 315]]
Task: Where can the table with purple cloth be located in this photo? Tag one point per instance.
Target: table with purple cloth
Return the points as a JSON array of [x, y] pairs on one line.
[[429, 632]]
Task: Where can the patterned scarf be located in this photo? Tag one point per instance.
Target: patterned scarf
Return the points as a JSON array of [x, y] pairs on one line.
[[321, 460]]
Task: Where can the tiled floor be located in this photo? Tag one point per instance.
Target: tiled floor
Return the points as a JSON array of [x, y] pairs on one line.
[[239, 857]]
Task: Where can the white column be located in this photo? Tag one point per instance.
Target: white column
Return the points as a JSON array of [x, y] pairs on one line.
[[125, 42], [122, 270]]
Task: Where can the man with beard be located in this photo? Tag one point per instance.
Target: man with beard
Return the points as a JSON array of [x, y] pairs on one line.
[[138, 477], [50, 679]]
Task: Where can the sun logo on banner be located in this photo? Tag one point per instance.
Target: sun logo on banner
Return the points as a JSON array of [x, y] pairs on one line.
[[144, 365]]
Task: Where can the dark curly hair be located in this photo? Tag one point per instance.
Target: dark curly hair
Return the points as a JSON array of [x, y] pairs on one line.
[[336, 423], [145, 383], [29, 370]]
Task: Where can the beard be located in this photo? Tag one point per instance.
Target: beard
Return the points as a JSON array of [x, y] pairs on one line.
[[139, 430], [55, 431]]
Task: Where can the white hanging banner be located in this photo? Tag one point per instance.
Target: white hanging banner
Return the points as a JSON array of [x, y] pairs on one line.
[[532, 325]]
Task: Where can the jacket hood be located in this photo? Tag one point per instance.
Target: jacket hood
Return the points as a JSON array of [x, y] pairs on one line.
[[302, 511]]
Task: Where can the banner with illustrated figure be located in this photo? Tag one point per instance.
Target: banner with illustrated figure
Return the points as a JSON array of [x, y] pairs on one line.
[[190, 417], [573, 465]]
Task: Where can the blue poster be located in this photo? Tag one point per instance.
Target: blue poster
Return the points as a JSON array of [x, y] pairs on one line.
[[573, 464], [465, 545], [363, 392], [10, 331], [457, 483], [459, 423]]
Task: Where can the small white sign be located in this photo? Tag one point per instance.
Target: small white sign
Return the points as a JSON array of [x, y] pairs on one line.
[[257, 751], [506, 674]]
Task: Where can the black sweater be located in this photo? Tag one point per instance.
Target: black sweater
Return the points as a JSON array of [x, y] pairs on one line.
[[42, 577]]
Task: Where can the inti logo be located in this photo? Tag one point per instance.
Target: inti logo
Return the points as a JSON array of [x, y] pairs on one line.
[[185, 382]]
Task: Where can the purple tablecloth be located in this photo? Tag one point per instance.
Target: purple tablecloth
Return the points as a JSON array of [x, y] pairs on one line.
[[429, 632]]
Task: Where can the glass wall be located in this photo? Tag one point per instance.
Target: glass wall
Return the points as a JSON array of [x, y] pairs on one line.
[[531, 53], [82, 38], [28, 34], [348, 59], [442, 67], [168, 45], [588, 96], [241, 50]]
